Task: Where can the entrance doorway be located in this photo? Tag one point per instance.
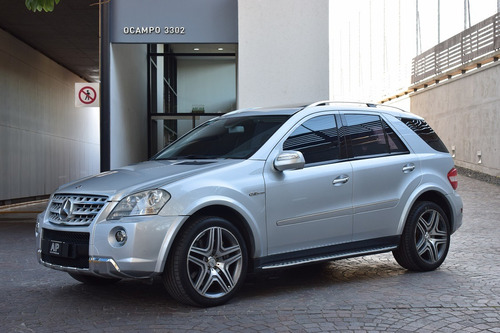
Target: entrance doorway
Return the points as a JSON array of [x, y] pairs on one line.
[[187, 84]]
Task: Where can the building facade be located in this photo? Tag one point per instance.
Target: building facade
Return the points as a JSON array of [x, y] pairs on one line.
[[168, 65]]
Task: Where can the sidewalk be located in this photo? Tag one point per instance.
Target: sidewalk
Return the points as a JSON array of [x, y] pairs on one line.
[[23, 212]]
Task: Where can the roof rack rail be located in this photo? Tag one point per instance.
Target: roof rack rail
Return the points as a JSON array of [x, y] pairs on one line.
[[371, 105], [395, 107]]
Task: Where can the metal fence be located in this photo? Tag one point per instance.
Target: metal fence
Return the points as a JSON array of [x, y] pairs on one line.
[[475, 42]]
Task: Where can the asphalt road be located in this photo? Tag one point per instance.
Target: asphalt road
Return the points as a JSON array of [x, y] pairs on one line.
[[368, 294]]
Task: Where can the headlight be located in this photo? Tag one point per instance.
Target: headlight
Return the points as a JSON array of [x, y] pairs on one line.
[[142, 203]]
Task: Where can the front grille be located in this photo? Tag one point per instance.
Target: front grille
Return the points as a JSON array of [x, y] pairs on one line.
[[72, 209], [75, 245]]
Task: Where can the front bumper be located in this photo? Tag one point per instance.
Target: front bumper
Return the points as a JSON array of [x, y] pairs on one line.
[[141, 255]]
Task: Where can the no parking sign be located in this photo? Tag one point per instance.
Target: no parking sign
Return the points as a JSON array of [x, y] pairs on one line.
[[87, 94]]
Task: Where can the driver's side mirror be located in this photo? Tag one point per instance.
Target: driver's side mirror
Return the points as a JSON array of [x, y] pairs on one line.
[[289, 160]]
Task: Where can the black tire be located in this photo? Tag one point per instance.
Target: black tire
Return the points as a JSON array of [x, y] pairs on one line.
[[93, 280], [426, 238], [207, 264]]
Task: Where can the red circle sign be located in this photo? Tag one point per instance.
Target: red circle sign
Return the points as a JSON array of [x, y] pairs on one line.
[[87, 95]]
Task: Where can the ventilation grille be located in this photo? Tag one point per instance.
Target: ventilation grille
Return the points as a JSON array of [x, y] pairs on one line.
[[70, 209]]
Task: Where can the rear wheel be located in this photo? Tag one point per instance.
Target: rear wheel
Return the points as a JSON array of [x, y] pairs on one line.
[[93, 280], [207, 264], [426, 238]]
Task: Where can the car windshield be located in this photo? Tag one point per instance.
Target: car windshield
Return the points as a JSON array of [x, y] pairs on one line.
[[237, 137]]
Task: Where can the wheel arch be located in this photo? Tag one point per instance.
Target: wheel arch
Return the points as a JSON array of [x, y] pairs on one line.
[[234, 217], [441, 201], [433, 195], [227, 213]]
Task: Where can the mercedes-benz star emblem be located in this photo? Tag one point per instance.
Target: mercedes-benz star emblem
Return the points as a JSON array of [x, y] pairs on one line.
[[66, 210]]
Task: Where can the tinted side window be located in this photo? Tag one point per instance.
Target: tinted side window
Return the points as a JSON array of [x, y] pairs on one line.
[[426, 133], [317, 139], [367, 135], [395, 143]]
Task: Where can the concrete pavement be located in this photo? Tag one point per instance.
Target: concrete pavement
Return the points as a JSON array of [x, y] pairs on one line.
[[368, 294]]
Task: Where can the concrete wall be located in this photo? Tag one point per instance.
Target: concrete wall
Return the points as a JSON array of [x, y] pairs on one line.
[[45, 141], [465, 112], [128, 110], [290, 67]]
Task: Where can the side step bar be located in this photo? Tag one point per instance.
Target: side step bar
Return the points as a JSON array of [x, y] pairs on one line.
[[327, 257]]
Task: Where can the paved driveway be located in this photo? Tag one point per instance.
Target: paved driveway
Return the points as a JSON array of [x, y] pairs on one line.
[[356, 295]]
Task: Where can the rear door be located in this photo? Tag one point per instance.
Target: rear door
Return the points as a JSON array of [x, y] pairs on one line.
[[385, 173]]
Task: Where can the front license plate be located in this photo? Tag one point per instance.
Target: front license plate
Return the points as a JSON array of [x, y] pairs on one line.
[[55, 248]]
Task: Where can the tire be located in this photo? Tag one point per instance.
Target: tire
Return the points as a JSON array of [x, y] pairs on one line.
[[93, 280], [426, 238], [207, 264]]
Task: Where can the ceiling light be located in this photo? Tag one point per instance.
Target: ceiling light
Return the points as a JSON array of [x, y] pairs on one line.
[[220, 49], [196, 49]]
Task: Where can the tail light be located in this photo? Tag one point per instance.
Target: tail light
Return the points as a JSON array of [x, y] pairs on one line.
[[453, 178]]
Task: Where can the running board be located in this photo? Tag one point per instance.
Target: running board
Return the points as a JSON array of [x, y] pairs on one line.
[[340, 255]]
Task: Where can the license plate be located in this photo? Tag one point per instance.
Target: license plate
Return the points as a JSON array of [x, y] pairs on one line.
[[55, 248]]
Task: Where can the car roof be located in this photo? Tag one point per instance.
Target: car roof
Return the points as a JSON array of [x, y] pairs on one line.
[[323, 105], [258, 111]]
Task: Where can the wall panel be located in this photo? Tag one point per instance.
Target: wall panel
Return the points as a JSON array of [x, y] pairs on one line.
[[43, 135]]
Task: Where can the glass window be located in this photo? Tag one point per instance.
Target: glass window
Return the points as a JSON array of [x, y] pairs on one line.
[[224, 137], [426, 133], [317, 139], [371, 135], [395, 143], [367, 135]]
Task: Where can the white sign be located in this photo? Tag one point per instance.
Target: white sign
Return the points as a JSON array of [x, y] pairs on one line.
[[87, 95]]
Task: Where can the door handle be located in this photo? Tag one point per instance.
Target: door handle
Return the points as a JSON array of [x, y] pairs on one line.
[[408, 168], [340, 180]]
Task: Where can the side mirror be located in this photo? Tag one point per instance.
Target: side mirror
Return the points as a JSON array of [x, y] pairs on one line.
[[289, 160]]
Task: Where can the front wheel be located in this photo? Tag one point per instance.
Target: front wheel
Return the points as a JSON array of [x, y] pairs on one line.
[[426, 238], [208, 263]]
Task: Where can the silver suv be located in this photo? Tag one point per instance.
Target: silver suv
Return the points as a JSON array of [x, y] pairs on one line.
[[260, 189]]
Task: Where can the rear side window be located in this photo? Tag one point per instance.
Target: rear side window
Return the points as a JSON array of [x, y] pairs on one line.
[[317, 139], [370, 135], [426, 133], [395, 143]]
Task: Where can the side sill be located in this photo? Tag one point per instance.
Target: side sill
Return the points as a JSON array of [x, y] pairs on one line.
[[335, 252]]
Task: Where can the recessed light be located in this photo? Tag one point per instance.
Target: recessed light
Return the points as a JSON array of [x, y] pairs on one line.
[[220, 49], [196, 49]]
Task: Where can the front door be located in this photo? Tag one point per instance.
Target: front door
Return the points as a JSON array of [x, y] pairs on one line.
[[311, 207]]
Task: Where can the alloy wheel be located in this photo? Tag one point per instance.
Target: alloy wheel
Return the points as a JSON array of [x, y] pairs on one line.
[[214, 262], [431, 236]]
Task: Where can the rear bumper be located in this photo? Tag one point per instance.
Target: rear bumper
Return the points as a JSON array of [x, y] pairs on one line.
[[457, 208]]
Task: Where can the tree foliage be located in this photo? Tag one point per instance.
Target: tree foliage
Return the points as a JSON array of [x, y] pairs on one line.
[[39, 5]]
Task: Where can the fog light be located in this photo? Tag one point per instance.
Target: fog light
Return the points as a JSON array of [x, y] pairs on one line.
[[121, 236]]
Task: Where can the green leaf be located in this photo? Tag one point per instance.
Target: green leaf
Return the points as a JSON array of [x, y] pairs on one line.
[[39, 5]]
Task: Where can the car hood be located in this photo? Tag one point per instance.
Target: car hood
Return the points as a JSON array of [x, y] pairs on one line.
[[118, 183]]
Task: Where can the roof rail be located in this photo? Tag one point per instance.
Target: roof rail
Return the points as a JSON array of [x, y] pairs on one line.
[[371, 105], [395, 107]]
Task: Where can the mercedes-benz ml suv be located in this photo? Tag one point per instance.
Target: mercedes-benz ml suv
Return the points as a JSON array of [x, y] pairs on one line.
[[260, 189]]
